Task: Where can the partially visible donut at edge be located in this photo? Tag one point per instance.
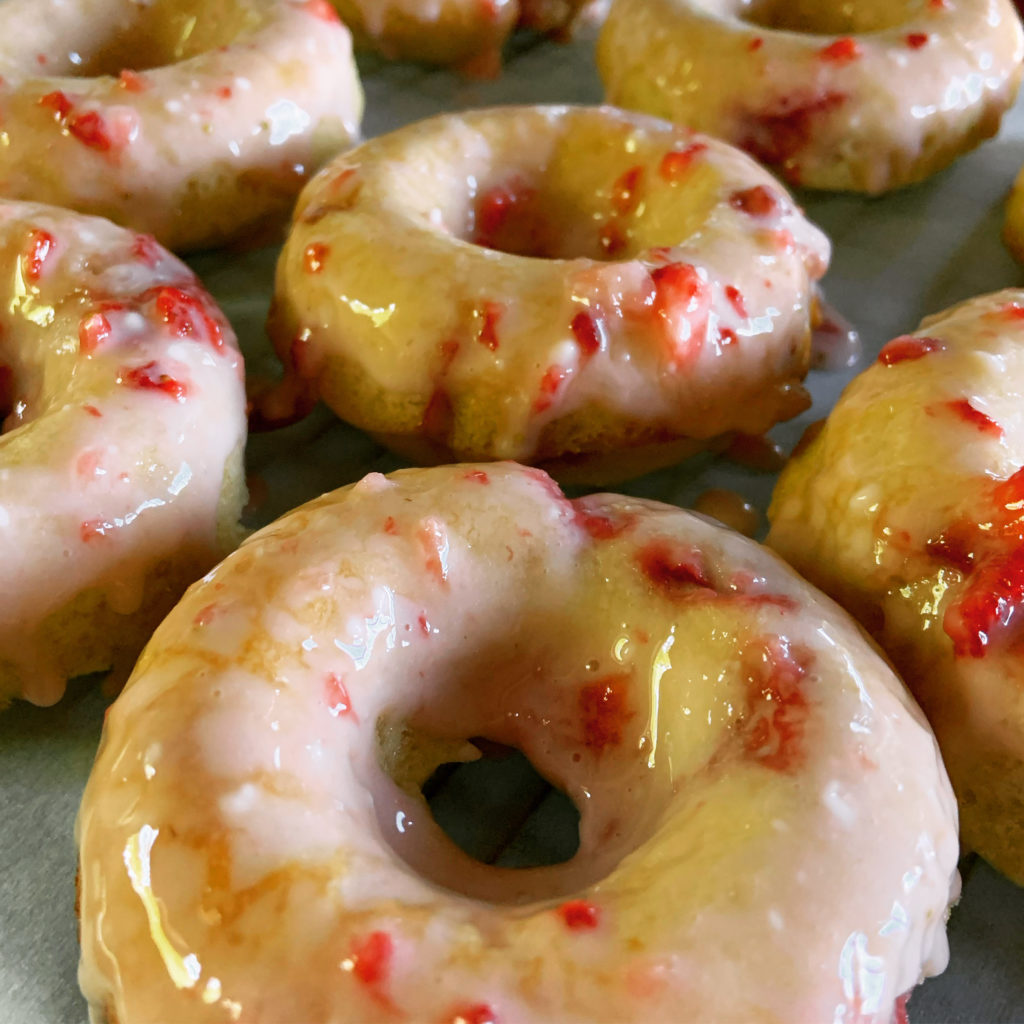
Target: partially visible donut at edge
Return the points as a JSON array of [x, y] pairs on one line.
[[121, 477], [194, 122]]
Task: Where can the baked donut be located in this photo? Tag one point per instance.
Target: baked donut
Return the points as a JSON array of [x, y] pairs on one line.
[[906, 508], [582, 288], [751, 776], [121, 455], [864, 96], [467, 33], [195, 122]]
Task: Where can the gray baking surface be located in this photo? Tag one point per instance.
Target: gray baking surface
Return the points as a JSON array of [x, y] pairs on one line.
[[896, 259]]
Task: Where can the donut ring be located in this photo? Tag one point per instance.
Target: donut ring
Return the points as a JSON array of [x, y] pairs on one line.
[[121, 455], [865, 96], [407, 613], [882, 509], [229, 109], [594, 291]]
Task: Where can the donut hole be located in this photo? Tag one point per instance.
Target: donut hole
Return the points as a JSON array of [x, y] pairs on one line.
[[131, 36], [818, 17], [500, 810], [523, 189]]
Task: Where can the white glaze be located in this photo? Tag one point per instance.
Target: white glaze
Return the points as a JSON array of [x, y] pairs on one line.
[[239, 797], [398, 279], [250, 98], [104, 484], [895, 509], [929, 79]]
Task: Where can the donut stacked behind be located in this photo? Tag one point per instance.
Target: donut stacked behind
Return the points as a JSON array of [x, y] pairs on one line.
[[596, 292], [121, 475], [196, 122]]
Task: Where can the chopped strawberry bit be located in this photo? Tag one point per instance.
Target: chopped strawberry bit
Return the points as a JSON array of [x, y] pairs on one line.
[[842, 51], [478, 1013], [953, 548], [313, 257], [493, 209], [438, 416], [40, 245], [93, 331], [1012, 311], [915, 40], [205, 616], [336, 696], [149, 377], [993, 597], [580, 915], [759, 201], [625, 191], [371, 958], [682, 302], [777, 135], [389, 526], [57, 102], [132, 81], [321, 9], [604, 712], [587, 334], [673, 567], [147, 249], [675, 165], [777, 708], [612, 239], [963, 408], [735, 297], [424, 624], [900, 1010], [478, 476], [93, 411], [492, 313], [91, 130], [550, 384], [907, 347], [186, 315], [93, 529], [755, 44], [939, 5], [224, 92], [433, 540], [603, 527], [727, 336]]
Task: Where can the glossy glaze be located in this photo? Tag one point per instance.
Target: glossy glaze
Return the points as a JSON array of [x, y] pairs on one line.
[[466, 33], [757, 791], [549, 284], [121, 452], [864, 96], [906, 507], [195, 122]]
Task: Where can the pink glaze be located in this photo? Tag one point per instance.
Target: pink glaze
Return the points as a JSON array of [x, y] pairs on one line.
[[207, 139], [254, 845], [125, 415]]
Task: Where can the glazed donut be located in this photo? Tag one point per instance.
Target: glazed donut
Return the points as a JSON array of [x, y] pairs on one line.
[[469, 33], [195, 122], [749, 772], [864, 96], [121, 455], [594, 291], [906, 509]]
